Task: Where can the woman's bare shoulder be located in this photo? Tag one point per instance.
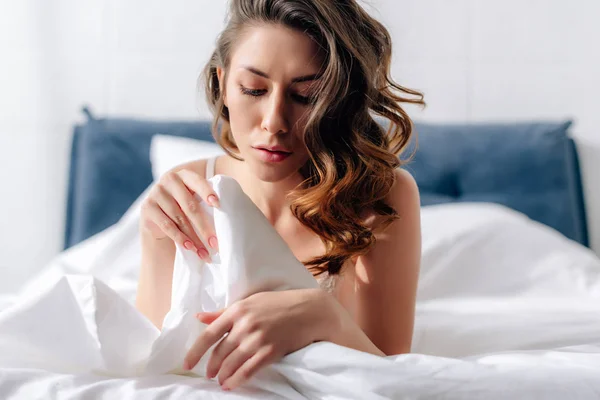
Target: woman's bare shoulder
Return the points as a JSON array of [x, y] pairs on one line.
[[405, 192], [403, 198]]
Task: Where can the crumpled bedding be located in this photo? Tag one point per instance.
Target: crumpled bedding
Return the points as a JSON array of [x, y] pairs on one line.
[[506, 308]]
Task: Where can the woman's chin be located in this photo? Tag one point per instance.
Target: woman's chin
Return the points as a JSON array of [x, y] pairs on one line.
[[270, 176], [272, 173]]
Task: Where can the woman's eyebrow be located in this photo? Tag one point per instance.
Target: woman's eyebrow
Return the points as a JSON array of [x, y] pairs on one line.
[[304, 78]]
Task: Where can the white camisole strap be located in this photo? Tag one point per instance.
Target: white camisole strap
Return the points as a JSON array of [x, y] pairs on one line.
[[210, 167]]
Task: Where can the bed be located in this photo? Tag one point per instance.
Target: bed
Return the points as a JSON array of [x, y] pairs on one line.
[[507, 301]]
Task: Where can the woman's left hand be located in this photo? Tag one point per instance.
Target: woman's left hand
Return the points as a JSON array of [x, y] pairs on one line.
[[261, 329]]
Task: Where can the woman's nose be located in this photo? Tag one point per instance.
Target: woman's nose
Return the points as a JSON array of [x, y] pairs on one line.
[[274, 118]]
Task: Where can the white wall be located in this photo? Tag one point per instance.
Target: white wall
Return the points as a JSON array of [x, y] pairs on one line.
[[484, 60], [474, 59], [123, 58]]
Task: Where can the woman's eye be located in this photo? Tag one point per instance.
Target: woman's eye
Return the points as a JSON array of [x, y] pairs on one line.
[[302, 99], [252, 92]]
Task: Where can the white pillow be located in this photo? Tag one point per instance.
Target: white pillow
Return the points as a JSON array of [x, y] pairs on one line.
[[168, 151], [484, 249]]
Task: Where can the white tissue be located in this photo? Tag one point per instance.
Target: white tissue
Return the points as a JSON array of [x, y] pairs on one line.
[[252, 258]]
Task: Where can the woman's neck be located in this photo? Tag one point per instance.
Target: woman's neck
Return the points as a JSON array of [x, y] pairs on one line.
[[270, 197]]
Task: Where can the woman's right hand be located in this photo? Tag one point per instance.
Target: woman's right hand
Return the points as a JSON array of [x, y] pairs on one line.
[[172, 211]]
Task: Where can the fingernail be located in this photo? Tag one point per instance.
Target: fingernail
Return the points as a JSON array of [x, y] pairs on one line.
[[213, 201], [203, 254], [225, 387], [188, 245], [212, 242]]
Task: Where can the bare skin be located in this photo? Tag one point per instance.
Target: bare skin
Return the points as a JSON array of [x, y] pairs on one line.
[[372, 308]]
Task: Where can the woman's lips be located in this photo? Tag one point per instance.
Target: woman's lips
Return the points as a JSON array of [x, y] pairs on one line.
[[272, 156]]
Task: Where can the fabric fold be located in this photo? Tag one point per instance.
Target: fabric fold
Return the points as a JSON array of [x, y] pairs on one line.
[[79, 324]]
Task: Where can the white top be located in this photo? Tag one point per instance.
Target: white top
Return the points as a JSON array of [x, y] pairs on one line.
[[210, 167]]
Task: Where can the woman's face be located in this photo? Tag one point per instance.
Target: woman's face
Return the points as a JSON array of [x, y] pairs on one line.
[[268, 88]]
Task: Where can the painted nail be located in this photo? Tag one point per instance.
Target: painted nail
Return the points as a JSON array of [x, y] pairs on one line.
[[188, 245], [213, 201], [203, 254], [212, 241]]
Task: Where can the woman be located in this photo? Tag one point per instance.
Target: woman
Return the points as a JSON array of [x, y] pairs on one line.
[[293, 85]]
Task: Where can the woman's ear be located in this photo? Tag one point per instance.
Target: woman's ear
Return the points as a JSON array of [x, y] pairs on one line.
[[221, 76]]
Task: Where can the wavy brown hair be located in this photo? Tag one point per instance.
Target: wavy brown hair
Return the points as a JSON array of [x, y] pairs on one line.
[[352, 158]]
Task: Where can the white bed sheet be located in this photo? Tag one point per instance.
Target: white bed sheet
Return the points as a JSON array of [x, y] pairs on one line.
[[507, 308]]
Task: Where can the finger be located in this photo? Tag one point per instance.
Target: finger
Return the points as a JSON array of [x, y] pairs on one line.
[[166, 225], [220, 353], [211, 335], [249, 368], [200, 186], [192, 209], [169, 206], [209, 317], [232, 363]]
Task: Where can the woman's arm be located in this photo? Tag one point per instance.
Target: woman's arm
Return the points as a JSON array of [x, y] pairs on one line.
[[386, 280], [156, 277], [171, 214], [338, 327]]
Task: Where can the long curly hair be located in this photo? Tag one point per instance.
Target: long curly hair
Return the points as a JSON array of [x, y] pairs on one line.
[[351, 168]]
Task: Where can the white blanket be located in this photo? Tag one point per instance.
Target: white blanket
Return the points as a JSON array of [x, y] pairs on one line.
[[506, 308]]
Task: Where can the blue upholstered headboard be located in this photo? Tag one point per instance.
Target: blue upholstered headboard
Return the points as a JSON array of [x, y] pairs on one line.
[[530, 167]]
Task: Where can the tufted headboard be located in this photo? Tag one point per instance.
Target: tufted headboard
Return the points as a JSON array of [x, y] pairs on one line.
[[530, 167]]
